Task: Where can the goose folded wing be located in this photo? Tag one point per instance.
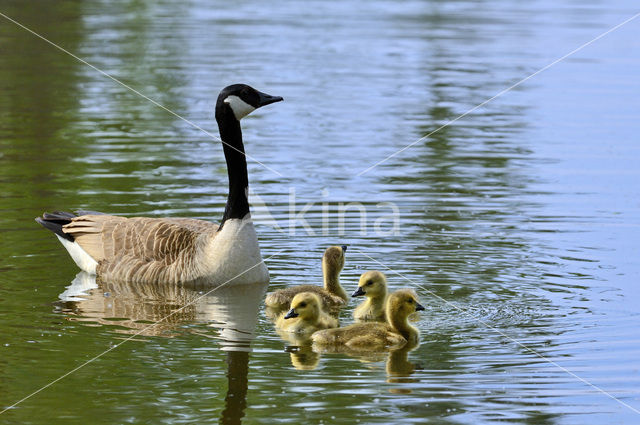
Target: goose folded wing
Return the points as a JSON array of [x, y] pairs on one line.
[[126, 246]]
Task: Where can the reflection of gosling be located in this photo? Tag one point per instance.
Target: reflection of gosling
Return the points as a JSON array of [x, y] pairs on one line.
[[374, 335], [306, 315], [373, 285], [304, 358], [332, 295]]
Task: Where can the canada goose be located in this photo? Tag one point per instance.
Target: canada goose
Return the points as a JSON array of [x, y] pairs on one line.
[[177, 250], [373, 285], [332, 295], [374, 335], [306, 315]]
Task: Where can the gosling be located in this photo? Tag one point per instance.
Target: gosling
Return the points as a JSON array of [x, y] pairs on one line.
[[373, 285], [306, 315], [374, 336], [332, 295]]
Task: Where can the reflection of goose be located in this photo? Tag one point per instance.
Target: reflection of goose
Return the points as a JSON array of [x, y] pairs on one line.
[[233, 309], [374, 335], [303, 357], [172, 250], [299, 348], [237, 385], [79, 288], [373, 285], [398, 367], [332, 294]]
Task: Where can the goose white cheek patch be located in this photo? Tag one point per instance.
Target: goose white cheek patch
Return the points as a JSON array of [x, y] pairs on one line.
[[239, 107]]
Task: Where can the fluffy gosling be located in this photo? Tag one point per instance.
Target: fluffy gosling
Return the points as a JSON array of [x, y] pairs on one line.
[[306, 315], [373, 336], [332, 295], [373, 285]]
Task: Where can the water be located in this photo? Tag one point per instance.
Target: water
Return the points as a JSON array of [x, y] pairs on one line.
[[518, 225]]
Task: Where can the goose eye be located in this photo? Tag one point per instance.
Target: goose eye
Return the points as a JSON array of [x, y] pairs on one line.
[[303, 304], [410, 300], [369, 283]]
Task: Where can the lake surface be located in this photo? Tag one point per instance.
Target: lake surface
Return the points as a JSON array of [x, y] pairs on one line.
[[518, 225]]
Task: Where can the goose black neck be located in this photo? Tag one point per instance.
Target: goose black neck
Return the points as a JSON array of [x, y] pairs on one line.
[[231, 135]]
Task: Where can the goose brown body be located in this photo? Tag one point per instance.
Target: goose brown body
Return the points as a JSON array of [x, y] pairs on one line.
[[331, 294], [143, 249], [371, 336]]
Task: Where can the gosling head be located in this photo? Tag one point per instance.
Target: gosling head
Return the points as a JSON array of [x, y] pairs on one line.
[[373, 284], [402, 303], [305, 305], [241, 100], [333, 258]]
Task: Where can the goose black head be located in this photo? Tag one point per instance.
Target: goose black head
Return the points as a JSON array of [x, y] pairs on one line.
[[242, 99]]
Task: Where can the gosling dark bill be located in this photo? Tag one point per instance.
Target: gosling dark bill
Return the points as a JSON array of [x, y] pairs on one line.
[[291, 314], [358, 292]]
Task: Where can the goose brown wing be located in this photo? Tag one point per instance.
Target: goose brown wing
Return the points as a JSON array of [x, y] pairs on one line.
[[128, 247]]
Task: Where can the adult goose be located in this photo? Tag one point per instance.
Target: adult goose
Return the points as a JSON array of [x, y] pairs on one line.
[[177, 250]]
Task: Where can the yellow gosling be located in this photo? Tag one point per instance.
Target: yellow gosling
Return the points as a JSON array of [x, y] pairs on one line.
[[372, 336], [332, 294], [306, 315], [373, 285]]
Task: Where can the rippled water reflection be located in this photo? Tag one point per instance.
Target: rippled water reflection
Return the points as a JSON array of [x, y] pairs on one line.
[[524, 214]]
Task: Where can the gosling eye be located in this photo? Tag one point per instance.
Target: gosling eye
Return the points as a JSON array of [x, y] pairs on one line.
[[370, 282], [410, 300], [302, 304]]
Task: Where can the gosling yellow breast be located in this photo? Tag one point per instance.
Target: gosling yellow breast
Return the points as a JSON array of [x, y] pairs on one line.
[[305, 315], [371, 336], [331, 294], [372, 285]]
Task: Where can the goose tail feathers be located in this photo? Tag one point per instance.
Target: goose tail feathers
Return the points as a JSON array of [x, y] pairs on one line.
[[54, 222]]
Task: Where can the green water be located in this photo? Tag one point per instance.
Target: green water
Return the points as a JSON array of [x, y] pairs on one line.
[[518, 225]]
